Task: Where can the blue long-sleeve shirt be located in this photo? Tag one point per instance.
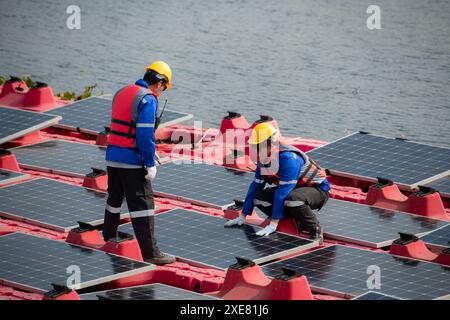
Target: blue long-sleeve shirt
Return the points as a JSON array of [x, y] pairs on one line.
[[144, 153], [290, 165]]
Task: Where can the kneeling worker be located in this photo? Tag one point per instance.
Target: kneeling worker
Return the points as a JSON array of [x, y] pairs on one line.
[[301, 185], [130, 158]]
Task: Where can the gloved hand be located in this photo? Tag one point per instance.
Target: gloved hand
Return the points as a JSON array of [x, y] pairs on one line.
[[239, 221], [151, 173], [270, 228]]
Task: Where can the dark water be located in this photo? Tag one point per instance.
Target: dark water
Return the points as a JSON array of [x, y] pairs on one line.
[[313, 65]]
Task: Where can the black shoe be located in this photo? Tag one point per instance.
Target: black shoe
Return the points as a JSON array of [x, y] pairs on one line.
[[316, 234], [161, 258]]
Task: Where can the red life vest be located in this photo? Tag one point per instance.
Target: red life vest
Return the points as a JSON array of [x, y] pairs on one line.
[[124, 115], [311, 173]]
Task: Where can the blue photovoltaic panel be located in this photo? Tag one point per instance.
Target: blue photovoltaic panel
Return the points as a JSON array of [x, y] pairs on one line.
[[52, 204], [34, 263], [16, 123], [439, 238], [7, 176], [369, 156], [344, 270], [156, 291], [202, 238], [370, 226], [62, 157], [202, 183], [372, 295], [93, 114]]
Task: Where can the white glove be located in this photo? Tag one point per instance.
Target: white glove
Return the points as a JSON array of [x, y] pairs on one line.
[[270, 228], [239, 221], [151, 173]]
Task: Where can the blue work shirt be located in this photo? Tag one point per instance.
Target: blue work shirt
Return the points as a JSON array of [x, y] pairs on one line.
[[144, 153], [290, 165]]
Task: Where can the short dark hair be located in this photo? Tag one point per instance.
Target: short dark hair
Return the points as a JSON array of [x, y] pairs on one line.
[[152, 77]]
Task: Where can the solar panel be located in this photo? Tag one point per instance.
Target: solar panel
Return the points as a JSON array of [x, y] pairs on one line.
[[7, 176], [368, 156], [61, 157], [439, 238], [33, 264], [93, 114], [372, 295], [370, 226], [201, 183], [156, 291], [15, 123], [202, 239], [52, 204], [346, 271], [443, 186]]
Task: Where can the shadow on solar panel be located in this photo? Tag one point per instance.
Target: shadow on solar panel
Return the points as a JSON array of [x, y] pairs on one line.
[[201, 239], [201, 183]]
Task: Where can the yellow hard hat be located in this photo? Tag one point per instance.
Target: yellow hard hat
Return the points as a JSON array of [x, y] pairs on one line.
[[262, 132], [163, 69]]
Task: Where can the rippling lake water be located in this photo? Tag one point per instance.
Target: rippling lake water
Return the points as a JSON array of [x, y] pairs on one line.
[[312, 65]]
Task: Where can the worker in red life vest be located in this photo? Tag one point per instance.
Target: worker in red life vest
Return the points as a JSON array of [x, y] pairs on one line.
[[300, 184], [130, 158]]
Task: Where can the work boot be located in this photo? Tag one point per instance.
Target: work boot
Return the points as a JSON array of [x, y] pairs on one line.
[[316, 234], [161, 258], [111, 223]]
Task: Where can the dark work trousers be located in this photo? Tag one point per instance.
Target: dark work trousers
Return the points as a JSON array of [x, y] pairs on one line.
[[131, 184], [299, 204]]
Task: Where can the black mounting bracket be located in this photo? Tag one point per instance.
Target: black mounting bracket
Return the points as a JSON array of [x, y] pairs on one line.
[[83, 227], [406, 238], [424, 191], [4, 152], [264, 118], [96, 173], [232, 115], [242, 263], [288, 274], [121, 237], [57, 291], [382, 182]]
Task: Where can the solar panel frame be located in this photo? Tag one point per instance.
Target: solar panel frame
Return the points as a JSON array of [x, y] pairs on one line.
[[438, 239], [47, 158], [170, 292], [362, 177], [26, 262], [317, 259], [14, 176], [62, 110], [50, 120], [360, 220], [222, 206], [58, 186], [308, 244]]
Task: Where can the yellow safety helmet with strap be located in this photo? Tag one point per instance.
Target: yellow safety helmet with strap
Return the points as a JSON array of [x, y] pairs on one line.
[[163, 69], [262, 132]]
